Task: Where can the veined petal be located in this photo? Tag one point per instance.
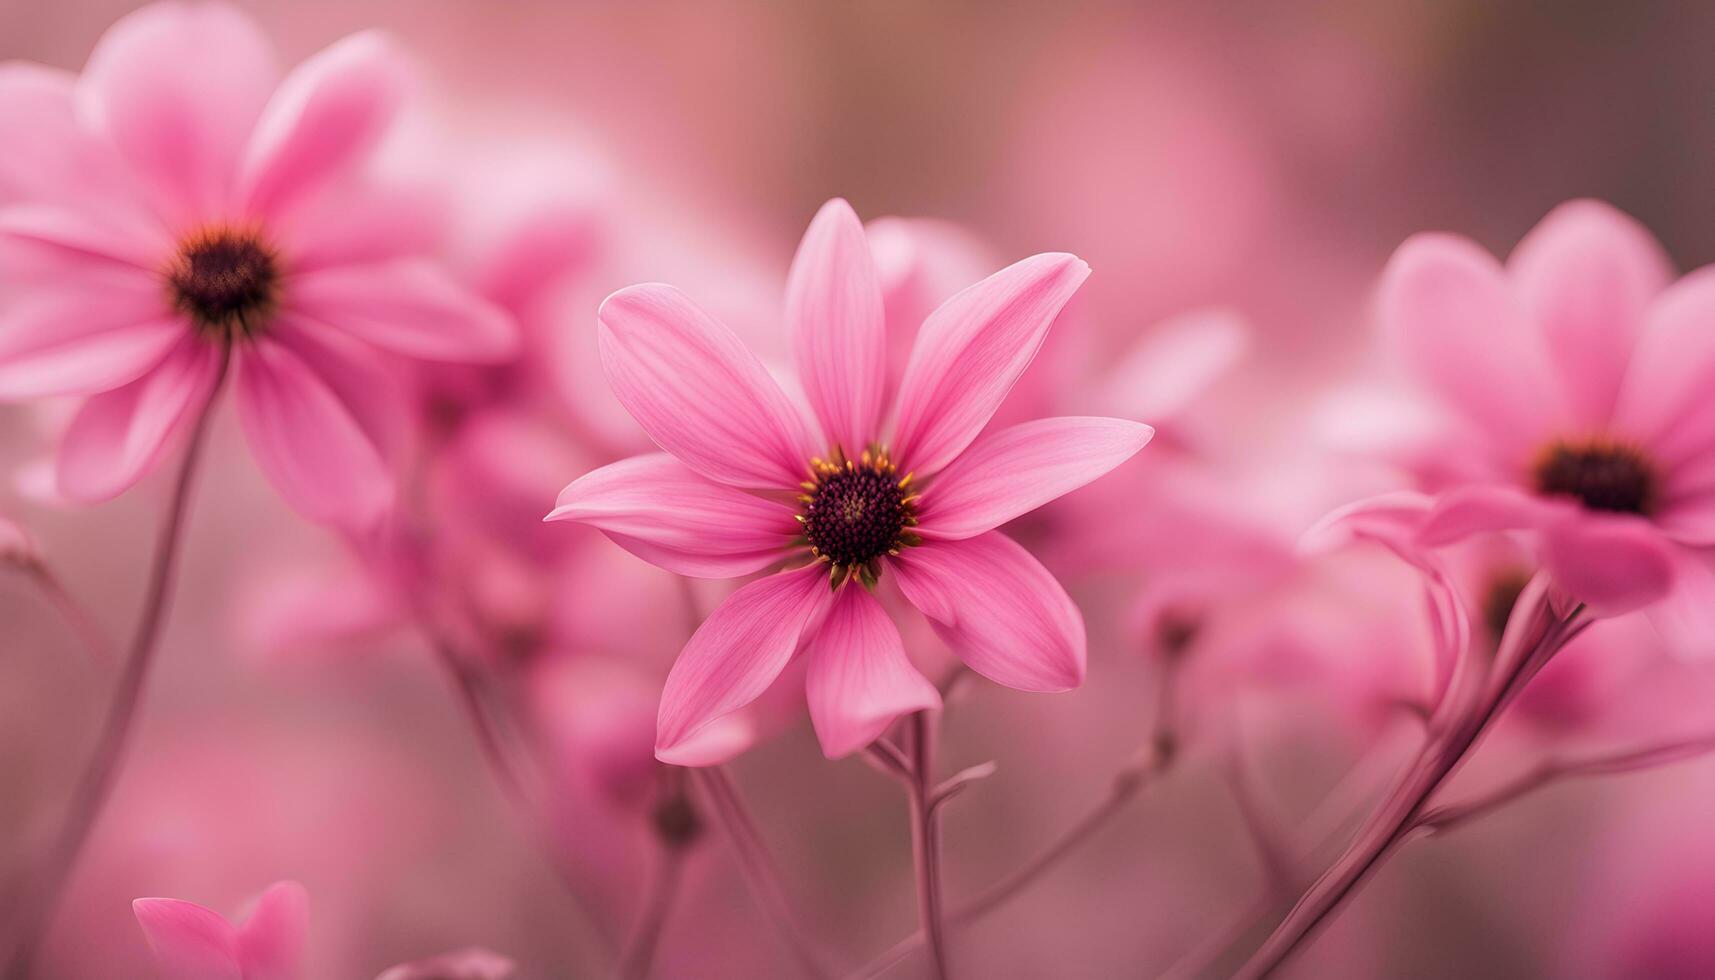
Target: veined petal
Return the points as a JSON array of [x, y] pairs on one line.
[[1664, 402], [411, 306], [1004, 614], [834, 309], [699, 392], [972, 350], [271, 940], [860, 679], [687, 523], [1614, 565], [189, 942], [737, 653], [1464, 511]]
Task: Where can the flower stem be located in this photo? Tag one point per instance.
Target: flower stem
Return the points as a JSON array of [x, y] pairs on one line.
[[96, 782], [75, 614], [645, 936], [926, 841]]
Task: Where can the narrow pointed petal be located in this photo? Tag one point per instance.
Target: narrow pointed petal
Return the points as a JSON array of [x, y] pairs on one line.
[[189, 942], [118, 436], [834, 309], [1004, 614], [65, 342], [1615, 565], [1664, 402], [1014, 471], [699, 392], [737, 653], [362, 378], [685, 522], [859, 678], [45, 239], [1478, 509], [410, 306], [271, 940], [323, 120], [972, 350]]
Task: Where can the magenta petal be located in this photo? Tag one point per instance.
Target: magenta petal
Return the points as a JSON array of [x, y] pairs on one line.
[[736, 654], [972, 350], [1014, 471], [411, 306], [118, 436], [860, 679], [834, 309], [307, 440], [189, 941], [326, 116], [271, 940], [1614, 565], [1005, 615], [1664, 403], [699, 392], [1478, 509], [684, 522]]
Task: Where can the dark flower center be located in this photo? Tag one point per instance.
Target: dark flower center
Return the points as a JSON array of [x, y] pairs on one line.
[[226, 279], [1600, 474], [1500, 598], [856, 511]]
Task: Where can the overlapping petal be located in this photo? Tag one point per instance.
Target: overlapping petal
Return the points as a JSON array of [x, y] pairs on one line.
[[1664, 403], [410, 306], [1480, 508], [1613, 564], [271, 940], [859, 678], [834, 310]]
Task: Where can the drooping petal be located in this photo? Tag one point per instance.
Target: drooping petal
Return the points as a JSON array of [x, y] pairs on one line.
[[1586, 275], [271, 939], [687, 523], [699, 392], [118, 436], [307, 440], [1664, 402], [323, 120], [860, 679], [1449, 307], [411, 306], [972, 350], [1690, 520], [179, 87], [834, 309], [1005, 615], [1014, 471], [1614, 565], [1476, 509], [189, 941], [737, 653]]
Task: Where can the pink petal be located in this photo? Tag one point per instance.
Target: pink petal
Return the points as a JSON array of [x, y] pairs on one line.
[[71, 341], [38, 100], [1014, 471], [1004, 614], [1479, 509], [118, 436], [1448, 305], [178, 87], [686, 523], [1686, 617], [833, 307], [1664, 402], [737, 653], [39, 239], [474, 963], [307, 440], [271, 940], [1586, 274], [1612, 564], [189, 941], [860, 679], [1165, 373], [324, 119], [411, 306], [359, 222], [361, 377], [699, 392], [1690, 520], [972, 350]]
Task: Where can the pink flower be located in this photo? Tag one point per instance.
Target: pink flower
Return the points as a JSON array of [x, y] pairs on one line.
[[1576, 381], [217, 213], [749, 481], [191, 942]]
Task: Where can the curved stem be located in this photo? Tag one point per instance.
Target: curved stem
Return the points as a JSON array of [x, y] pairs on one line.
[[657, 904], [98, 777]]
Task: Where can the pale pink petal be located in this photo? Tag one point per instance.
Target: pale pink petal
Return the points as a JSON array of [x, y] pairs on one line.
[[59, 341], [307, 441], [972, 350], [1004, 614], [189, 941], [411, 306], [1449, 307], [699, 392], [1586, 274], [1478, 509], [118, 436], [324, 119], [1394, 519], [38, 100], [687, 523], [271, 940], [38, 239], [1014, 471], [833, 307], [361, 377], [1164, 374], [1686, 617], [737, 653], [1690, 520], [178, 87], [1614, 565], [860, 679], [360, 222], [474, 963], [1664, 402]]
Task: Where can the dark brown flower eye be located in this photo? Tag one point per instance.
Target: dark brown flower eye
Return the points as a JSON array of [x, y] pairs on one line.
[[227, 280], [1600, 474]]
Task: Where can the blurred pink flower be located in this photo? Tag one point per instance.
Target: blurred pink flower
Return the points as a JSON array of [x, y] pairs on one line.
[[716, 505], [218, 214], [191, 942], [474, 963]]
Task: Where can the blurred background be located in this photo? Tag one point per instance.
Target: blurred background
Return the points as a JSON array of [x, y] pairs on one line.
[[1252, 161]]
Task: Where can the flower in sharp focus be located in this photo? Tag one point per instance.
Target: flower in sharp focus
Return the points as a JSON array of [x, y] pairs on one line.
[[749, 482], [190, 942], [1576, 379], [206, 209]]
